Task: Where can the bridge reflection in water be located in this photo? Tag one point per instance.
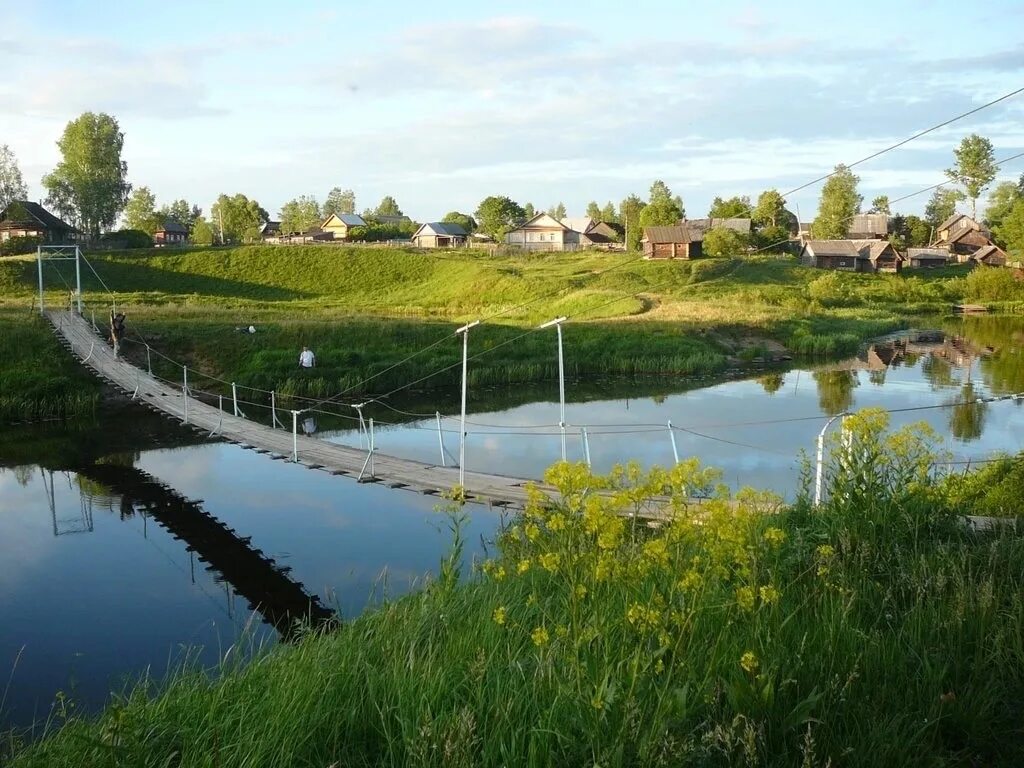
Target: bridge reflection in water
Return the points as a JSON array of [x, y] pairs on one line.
[[269, 589]]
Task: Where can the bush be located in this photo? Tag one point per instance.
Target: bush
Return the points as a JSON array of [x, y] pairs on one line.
[[722, 241], [828, 290], [19, 245], [126, 239], [991, 284]]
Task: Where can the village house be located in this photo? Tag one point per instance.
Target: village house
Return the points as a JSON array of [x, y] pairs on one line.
[[990, 255], [439, 234], [22, 218], [606, 233], [543, 233], [926, 258], [270, 231], [671, 243], [869, 226], [851, 255], [700, 227], [171, 233], [337, 225]]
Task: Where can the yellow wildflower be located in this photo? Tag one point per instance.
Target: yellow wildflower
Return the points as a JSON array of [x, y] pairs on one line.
[[499, 616], [580, 591], [749, 662], [532, 599], [642, 617], [540, 636], [561, 631], [690, 581], [524, 566], [769, 594], [745, 598], [664, 639], [659, 667], [549, 561], [597, 702], [826, 551], [556, 523], [499, 573], [774, 536], [532, 531], [656, 551]]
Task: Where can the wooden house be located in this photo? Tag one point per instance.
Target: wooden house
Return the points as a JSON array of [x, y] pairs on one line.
[[851, 255], [926, 258], [543, 233], [700, 227], [337, 225], [171, 233], [869, 226], [671, 243], [955, 226], [990, 255], [439, 234], [270, 231], [23, 218]]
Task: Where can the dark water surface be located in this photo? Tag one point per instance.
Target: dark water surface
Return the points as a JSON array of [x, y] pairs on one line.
[[125, 542]]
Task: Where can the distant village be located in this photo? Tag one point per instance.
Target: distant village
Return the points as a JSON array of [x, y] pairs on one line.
[[959, 239]]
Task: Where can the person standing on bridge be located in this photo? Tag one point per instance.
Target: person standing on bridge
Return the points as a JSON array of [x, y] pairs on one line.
[[116, 330], [306, 358]]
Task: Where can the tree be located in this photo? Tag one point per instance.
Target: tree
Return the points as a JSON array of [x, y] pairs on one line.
[[182, 212], [12, 185], [528, 211], [594, 210], [300, 214], [909, 232], [140, 212], [464, 220], [840, 202], [237, 218], [388, 206], [91, 178], [557, 211], [722, 241], [1000, 202], [608, 214], [660, 193], [967, 416], [202, 232], [629, 215], [770, 210], [1011, 231], [941, 205], [975, 167], [497, 215], [881, 205], [835, 390], [772, 382], [732, 208], [339, 201]]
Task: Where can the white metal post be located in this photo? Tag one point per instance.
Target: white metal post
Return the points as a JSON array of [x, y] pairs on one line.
[[373, 448], [819, 470], [440, 437], [295, 436], [39, 258], [672, 437], [78, 277], [586, 445], [234, 397], [149, 362], [273, 410], [464, 330], [184, 391], [557, 322]]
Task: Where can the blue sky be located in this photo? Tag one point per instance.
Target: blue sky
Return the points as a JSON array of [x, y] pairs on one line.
[[544, 102]]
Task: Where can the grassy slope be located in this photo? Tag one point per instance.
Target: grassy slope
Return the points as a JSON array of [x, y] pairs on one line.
[[364, 309], [875, 632]]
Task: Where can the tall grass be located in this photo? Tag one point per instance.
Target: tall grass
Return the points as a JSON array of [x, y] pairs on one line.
[[874, 631]]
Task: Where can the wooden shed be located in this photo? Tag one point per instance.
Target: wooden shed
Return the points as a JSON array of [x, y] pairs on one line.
[[670, 243], [926, 258]]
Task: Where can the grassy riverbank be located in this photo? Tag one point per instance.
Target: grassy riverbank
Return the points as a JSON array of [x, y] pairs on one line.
[[38, 379], [363, 310], [876, 631]]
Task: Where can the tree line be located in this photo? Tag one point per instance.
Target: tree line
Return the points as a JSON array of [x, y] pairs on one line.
[[89, 188]]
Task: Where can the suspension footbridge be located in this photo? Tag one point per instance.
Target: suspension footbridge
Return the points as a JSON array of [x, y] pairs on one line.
[[79, 336]]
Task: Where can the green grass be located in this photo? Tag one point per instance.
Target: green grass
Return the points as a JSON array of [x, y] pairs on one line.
[[875, 631], [364, 309], [38, 379]]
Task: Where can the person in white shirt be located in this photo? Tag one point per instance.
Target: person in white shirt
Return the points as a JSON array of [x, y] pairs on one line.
[[306, 358]]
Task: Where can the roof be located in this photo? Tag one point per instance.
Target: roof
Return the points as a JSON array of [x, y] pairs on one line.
[[677, 234], [950, 221], [579, 223], [870, 224], [173, 225], [27, 211], [442, 228], [988, 252], [927, 253], [551, 223], [700, 227], [348, 219], [270, 226], [858, 249]]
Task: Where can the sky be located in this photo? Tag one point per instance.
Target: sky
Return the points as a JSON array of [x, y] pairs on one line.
[[544, 102]]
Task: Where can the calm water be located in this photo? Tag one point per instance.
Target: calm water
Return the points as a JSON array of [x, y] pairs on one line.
[[123, 543]]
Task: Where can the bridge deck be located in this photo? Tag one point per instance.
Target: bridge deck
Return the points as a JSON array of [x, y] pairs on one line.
[[82, 340]]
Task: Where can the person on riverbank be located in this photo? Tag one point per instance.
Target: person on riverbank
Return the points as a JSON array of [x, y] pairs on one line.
[[117, 330], [306, 358]]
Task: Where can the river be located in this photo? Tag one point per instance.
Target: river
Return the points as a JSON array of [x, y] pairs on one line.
[[127, 543]]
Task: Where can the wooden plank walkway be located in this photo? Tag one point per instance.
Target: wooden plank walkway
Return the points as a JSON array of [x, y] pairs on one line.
[[82, 340]]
